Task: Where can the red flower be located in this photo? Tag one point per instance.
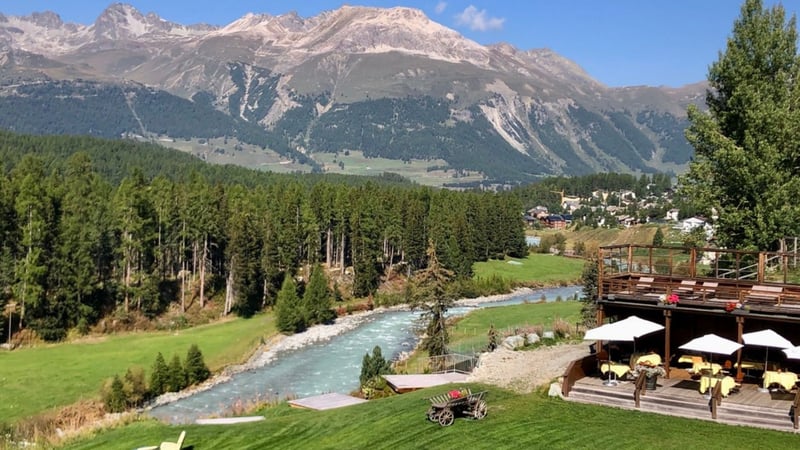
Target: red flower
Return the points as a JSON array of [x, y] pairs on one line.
[[730, 306], [673, 299]]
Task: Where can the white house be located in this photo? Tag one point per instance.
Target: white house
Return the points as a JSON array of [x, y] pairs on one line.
[[691, 223], [672, 215]]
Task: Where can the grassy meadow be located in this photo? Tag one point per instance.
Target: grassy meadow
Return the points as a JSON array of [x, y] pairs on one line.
[[37, 379], [514, 421], [536, 268], [470, 333]]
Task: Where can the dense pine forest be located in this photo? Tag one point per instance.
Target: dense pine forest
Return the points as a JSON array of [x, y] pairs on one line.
[[91, 228]]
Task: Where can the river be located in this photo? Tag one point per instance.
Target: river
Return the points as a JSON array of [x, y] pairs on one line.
[[323, 367]]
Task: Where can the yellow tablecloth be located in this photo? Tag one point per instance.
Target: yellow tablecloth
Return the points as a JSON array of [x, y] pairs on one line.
[[652, 359], [618, 369], [708, 382], [701, 366], [785, 379]]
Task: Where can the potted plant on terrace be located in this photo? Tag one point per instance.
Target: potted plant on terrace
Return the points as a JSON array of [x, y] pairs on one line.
[[669, 300], [650, 372]]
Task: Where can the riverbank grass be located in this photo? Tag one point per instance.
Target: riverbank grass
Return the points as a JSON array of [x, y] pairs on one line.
[[513, 421], [470, 334], [536, 268], [37, 379]]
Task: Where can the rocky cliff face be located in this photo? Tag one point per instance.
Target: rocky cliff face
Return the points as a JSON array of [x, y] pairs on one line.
[[389, 82]]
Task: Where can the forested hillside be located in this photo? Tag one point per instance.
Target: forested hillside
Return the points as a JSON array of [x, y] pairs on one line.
[[90, 227]]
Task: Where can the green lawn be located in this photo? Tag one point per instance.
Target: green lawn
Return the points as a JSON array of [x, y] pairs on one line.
[[514, 422], [536, 267], [470, 333], [33, 380]]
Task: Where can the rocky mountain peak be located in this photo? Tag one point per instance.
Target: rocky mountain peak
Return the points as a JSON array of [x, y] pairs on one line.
[[47, 19], [120, 21]]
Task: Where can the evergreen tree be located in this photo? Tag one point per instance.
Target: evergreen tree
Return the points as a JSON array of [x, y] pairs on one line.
[[589, 279], [746, 167], [159, 377], [289, 316], [196, 369], [176, 375], [658, 238], [317, 298], [432, 296], [374, 366], [34, 213]]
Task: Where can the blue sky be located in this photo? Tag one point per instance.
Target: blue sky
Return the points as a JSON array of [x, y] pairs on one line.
[[619, 42]]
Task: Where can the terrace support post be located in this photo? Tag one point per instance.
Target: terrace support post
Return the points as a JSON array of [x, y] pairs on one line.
[[630, 258], [739, 331], [667, 329], [693, 263], [762, 260], [600, 270], [650, 259], [601, 316]]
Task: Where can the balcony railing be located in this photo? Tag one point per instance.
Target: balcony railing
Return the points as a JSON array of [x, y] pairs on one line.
[[705, 276]]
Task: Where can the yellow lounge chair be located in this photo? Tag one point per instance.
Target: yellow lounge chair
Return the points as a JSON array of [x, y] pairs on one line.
[[173, 445]]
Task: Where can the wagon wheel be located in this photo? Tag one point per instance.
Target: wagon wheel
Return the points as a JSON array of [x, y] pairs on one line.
[[480, 410], [433, 414], [446, 417]]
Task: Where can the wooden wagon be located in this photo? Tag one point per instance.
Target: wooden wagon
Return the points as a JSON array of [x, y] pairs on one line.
[[444, 408]]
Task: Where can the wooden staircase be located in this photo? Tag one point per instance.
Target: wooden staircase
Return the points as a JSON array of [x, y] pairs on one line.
[[665, 401]]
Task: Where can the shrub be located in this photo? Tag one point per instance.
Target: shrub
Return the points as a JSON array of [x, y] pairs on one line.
[[114, 396], [561, 328], [135, 387]]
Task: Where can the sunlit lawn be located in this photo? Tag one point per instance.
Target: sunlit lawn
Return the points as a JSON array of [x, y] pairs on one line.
[[536, 267], [514, 422], [36, 379], [471, 332]]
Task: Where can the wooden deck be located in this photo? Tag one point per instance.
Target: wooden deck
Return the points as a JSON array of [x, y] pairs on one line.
[[681, 397]]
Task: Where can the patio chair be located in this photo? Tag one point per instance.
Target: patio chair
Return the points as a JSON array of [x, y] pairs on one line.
[[686, 290], [645, 285], [174, 445], [708, 290]]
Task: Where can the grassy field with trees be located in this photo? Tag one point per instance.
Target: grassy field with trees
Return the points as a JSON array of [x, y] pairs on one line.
[[513, 421], [37, 379]]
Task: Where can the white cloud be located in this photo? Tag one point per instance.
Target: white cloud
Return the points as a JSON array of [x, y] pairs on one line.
[[440, 7], [477, 20]]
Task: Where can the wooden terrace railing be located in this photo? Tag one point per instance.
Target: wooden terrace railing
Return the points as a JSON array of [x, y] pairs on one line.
[[765, 281]]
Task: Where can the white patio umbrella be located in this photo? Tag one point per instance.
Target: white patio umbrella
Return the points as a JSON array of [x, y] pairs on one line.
[[766, 338], [712, 344], [626, 330], [792, 353]]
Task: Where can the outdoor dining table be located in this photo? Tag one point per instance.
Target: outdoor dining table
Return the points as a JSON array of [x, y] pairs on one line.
[[786, 380], [707, 382], [700, 367], [616, 368], [698, 364], [652, 359]]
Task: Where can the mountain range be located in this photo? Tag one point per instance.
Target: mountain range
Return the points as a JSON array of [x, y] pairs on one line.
[[390, 83]]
